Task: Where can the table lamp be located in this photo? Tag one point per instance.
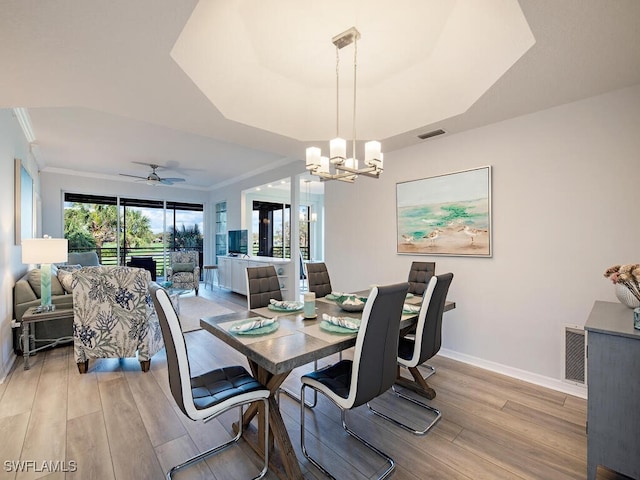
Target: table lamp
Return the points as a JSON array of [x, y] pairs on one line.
[[45, 251]]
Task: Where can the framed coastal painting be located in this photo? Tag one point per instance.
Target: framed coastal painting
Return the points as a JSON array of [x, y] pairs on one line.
[[447, 214], [23, 203]]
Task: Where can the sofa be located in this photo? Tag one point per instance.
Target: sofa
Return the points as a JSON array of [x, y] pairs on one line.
[[26, 294]]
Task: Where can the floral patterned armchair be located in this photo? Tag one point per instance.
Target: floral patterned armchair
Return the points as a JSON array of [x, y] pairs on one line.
[[184, 270], [113, 315]]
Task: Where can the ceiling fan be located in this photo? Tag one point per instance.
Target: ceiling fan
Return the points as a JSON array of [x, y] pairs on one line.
[[154, 179]]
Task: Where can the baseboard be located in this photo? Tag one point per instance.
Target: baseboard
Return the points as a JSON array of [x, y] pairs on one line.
[[7, 368], [548, 382]]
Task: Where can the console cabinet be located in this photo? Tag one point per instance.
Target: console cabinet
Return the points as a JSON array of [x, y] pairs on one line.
[[232, 273], [613, 369]]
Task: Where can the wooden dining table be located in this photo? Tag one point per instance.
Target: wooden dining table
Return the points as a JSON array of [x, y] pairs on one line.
[[297, 341]]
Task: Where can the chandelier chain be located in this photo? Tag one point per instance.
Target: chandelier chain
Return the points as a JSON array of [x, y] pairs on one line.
[[355, 68], [337, 91]]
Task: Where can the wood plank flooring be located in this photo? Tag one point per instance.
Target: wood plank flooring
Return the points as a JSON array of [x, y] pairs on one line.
[[119, 423]]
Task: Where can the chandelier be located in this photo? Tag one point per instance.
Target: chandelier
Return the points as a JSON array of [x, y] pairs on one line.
[[337, 166], [313, 217]]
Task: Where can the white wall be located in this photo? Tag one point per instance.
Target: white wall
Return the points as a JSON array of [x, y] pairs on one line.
[[12, 145], [54, 185], [565, 207]]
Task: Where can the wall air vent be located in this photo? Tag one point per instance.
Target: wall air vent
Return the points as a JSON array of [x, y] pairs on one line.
[[434, 133], [575, 355]]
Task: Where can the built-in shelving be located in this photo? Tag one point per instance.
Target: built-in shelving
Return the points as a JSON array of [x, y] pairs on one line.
[[221, 229]]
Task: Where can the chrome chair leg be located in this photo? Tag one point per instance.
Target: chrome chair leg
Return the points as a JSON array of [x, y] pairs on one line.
[[437, 413], [296, 397], [214, 450], [388, 459], [431, 370]]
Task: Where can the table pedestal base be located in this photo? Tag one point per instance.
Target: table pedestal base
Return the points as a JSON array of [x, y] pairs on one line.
[[285, 464], [418, 384]]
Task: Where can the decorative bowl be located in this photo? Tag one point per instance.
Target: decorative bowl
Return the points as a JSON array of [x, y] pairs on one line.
[[351, 303]]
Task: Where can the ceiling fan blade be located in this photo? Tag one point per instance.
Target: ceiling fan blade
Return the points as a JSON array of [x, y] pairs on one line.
[[134, 176], [173, 179], [150, 165]]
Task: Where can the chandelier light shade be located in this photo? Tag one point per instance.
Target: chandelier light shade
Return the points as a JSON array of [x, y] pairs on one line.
[[44, 251], [310, 216], [337, 166]]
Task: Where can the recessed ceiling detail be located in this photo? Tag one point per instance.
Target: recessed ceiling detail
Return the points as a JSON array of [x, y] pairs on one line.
[[419, 61]]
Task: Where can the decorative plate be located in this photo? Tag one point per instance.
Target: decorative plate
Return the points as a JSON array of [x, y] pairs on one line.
[[256, 331], [333, 328], [298, 306]]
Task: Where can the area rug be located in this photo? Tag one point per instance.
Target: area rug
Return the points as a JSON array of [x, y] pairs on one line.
[[194, 308]]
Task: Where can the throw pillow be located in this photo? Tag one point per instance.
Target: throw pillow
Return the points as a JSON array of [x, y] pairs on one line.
[[66, 279], [183, 267], [86, 259], [34, 280]]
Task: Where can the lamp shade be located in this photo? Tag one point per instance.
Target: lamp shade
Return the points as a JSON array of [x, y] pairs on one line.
[[44, 250]]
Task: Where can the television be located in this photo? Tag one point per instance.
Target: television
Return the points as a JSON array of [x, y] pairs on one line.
[[238, 241]]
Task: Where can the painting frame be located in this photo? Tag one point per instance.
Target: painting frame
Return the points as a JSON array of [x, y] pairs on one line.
[[448, 214], [23, 203]]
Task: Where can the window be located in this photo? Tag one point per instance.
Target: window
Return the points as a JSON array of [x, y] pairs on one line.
[[118, 228], [272, 221]]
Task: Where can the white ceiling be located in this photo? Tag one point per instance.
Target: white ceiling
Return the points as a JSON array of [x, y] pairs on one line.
[[418, 61], [103, 90]]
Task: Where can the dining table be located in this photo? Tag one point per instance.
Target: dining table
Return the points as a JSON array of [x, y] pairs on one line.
[[291, 342]]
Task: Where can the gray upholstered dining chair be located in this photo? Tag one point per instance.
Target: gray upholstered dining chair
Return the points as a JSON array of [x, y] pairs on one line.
[[351, 383], [320, 284], [210, 394], [419, 276], [262, 285], [413, 352], [318, 279]]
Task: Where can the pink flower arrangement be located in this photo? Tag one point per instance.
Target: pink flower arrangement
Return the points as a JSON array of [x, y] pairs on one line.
[[627, 275]]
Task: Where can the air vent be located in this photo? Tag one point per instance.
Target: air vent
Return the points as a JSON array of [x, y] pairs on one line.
[[435, 133], [574, 355]]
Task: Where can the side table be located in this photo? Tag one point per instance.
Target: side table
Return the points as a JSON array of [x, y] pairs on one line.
[[210, 271], [174, 296], [32, 315]]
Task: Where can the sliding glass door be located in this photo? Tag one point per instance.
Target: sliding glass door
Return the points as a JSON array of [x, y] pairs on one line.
[[271, 229], [119, 228]]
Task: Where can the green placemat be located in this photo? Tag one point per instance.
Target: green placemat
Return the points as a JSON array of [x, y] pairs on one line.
[[298, 306], [256, 331], [333, 328]]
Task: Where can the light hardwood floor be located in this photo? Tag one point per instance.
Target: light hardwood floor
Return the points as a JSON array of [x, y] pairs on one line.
[[117, 422]]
